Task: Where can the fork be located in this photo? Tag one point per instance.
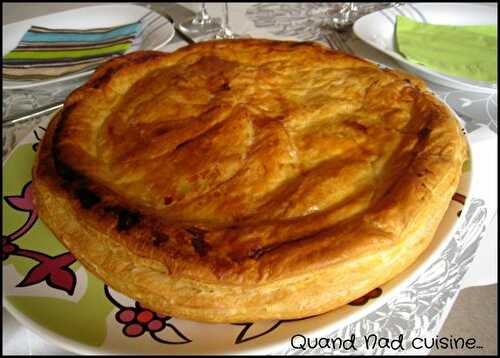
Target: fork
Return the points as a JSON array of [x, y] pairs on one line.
[[335, 40], [333, 32]]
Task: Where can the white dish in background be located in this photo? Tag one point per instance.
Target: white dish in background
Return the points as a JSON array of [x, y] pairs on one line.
[[378, 30], [158, 32]]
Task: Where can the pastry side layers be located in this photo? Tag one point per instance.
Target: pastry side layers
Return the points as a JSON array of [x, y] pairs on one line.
[[285, 183]]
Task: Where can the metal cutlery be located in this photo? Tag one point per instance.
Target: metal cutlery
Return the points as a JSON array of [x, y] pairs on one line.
[[176, 28], [339, 28], [335, 40], [14, 119]]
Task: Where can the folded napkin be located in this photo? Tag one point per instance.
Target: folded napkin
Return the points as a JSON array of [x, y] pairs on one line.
[[44, 53], [464, 51]]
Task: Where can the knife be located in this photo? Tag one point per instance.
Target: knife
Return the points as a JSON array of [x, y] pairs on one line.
[[11, 120], [181, 34]]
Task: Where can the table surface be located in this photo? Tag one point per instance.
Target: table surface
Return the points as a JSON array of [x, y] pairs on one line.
[[15, 101]]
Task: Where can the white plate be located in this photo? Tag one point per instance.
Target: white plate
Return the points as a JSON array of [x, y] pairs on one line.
[[378, 29], [79, 323], [158, 32]]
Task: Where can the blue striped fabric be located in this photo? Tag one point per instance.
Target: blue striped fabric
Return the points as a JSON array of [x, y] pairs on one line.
[[81, 37], [48, 53]]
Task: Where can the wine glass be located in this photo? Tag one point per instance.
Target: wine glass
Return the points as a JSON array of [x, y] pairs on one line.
[[201, 23], [346, 16], [343, 19], [225, 32]]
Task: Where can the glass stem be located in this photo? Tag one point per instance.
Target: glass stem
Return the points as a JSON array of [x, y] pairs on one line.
[[225, 32], [204, 12], [225, 17]]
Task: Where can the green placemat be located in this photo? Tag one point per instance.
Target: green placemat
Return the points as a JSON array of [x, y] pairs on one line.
[[464, 51]]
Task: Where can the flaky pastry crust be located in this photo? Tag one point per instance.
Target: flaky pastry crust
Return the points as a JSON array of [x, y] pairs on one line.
[[240, 180]]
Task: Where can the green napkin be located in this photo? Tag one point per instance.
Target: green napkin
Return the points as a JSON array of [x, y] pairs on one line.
[[464, 51]]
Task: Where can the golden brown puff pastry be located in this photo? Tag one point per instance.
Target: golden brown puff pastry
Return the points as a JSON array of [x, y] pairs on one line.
[[240, 180]]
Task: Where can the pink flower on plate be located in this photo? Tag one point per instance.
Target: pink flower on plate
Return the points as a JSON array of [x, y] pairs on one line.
[[140, 319]]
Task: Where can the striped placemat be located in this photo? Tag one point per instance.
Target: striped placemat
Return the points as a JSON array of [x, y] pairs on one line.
[[52, 52]]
